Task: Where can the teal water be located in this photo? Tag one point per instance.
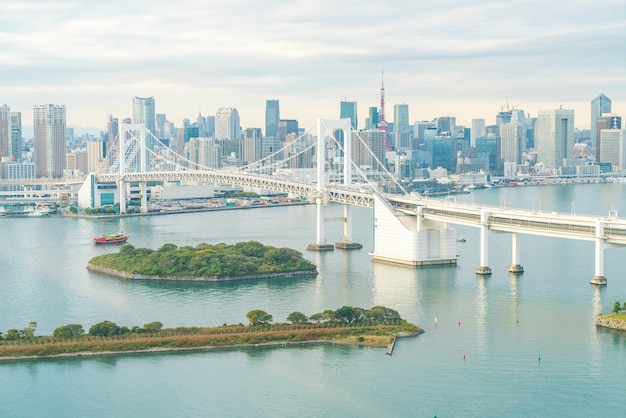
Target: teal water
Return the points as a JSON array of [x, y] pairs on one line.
[[506, 322]]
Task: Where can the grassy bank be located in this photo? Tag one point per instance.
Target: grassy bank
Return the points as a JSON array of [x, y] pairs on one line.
[[200, 338]]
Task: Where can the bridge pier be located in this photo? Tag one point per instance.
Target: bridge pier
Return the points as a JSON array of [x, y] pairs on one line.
[[484, 269], [144, 196], [122, 191], [515, 266], [598, 277], [320, 244], [347, 243]]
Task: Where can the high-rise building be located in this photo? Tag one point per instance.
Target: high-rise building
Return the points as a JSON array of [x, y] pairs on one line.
[[401, 129], [446, 125], [227, 124], [554, 137], [17, 144], [372, 119], [348, 110], [376, 141], [5, 132], [143, 112], [512, 142], [606, 121], [205, 153], [251, 145], [49, 140], [613, 147], [272, 116], [478, 130], [599, 106], [286, 127]]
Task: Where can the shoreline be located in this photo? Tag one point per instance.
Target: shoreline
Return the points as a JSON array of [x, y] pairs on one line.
[[172, 350], [612, 323], [134, 276]]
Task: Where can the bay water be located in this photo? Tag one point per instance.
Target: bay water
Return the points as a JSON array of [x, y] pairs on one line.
[[501, 345]]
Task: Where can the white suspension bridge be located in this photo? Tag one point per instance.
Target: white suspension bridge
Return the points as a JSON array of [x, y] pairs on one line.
[[408, 229]]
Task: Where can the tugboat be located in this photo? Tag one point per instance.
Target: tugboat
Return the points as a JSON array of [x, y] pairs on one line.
[[117, 238]]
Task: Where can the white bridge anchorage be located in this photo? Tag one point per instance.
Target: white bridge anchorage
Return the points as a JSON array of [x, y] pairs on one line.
[[408, 229]]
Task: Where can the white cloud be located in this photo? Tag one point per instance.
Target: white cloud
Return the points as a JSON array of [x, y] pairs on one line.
[[456, 57]]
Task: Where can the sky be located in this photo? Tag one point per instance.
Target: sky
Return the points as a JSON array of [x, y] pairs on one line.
[[463, 58]]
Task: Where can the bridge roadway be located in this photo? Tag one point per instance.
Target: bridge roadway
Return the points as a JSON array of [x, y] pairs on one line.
[[561, 225]]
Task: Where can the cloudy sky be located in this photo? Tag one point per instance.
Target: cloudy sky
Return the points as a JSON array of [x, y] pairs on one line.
[[463, 58]]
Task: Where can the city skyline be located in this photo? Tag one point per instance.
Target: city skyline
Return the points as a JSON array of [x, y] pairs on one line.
[[454, 59]]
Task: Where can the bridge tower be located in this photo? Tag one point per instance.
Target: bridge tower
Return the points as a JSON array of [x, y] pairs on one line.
[[140, 152], [327, 127]]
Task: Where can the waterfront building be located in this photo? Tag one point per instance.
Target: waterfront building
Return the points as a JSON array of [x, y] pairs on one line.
[[227, 124], [478, 130], [613, 150], [512, 142], [17, 171], [252, 138], [606, 121], [599, 106], [49, 129], [401, 129], [5, 132], [554, 137], [272, 116], [17, 143], [488, 149]]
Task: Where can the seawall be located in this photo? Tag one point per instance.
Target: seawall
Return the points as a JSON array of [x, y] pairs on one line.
[[134, 276], [602, 321]]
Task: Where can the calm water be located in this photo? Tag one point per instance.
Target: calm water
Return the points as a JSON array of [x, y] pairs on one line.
[[506, 322]]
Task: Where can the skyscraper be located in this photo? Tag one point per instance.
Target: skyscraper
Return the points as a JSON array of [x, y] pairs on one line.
[[478, 131], [512, 142], [372, 119], [554, 136], [227, 124], [401, 128], [49, 140], [252, 145], [599, 106], [606, 121], [5, 131], [143, 112], [17, 143], [348, 110], [272, 116]]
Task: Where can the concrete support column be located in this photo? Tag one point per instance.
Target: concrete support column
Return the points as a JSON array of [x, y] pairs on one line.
[[122, 188], [598, 277], [484, 269], [320, 244], [515, 266], [419, 218], [143, 189], [347, 243]]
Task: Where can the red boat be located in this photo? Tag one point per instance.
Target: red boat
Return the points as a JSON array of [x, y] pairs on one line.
[[118, 238]]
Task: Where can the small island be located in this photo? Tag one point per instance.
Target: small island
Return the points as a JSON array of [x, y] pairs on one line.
[[378, 326], [615, 320], [204, 262]]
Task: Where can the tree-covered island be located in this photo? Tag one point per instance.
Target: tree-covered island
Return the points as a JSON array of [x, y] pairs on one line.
[[204, 262], [377, 326]]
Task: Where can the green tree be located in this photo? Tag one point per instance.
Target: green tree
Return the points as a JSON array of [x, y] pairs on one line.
[[297, 318], [104, 329], [29, 331], [617, 307], [624, 307], [316, 317], [68, 331], [259, 317], [14, 334], [153, 326]]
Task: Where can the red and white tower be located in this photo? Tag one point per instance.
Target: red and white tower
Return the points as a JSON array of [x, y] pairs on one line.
[[382, 122]]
